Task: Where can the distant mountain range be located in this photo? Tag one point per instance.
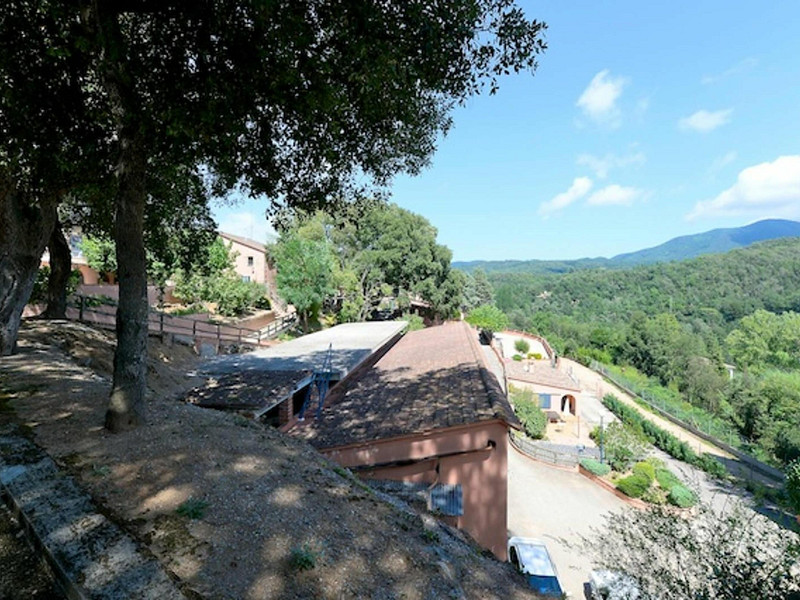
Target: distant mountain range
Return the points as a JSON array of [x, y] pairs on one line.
[[679, 248]]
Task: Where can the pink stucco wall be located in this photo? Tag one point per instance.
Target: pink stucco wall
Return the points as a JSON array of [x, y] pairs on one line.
[[483, 475], [255, 271]]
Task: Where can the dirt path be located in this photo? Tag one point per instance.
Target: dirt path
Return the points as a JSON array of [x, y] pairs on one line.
[[594, 383]]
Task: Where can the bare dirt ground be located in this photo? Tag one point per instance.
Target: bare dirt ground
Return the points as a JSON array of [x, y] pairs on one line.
[[274, 519], [23, 576]]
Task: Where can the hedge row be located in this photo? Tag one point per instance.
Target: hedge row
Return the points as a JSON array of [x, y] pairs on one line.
[[663, 439], [595, 467]]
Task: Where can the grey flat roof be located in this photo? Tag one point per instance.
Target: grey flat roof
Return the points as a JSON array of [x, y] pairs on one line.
[[350, 344]]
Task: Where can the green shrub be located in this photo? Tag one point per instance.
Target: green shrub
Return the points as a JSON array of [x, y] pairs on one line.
[[537, 356], [663, 439], [415, 322], [193, 508], [595, 467], [303, 558], [681, 496], [522, 346], [634, 485], [667, 479], [656, 462], [793, 485], [533, 419], [645, 469], [517, 357], [655, 496]]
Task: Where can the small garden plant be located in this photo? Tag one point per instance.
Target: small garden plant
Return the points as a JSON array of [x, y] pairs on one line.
[[193, 508], [304, 558]]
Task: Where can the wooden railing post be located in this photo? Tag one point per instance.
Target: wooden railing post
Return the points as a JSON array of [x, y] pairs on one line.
[[80, 309]]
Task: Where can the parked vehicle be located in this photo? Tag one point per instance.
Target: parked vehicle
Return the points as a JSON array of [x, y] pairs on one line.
[[531, 558], [612, 585]]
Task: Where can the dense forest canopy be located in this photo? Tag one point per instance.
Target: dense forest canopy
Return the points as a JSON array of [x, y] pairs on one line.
[[679, 323]]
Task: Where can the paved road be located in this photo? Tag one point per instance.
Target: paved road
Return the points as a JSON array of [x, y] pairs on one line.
[[557, 506]]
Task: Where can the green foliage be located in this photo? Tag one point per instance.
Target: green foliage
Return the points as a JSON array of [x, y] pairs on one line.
[[661, 438], [666, 478], [522, 346], [304, 558], [415, 322], [193, 508], [39, 292], [100, 254], [764, 339], [214, 281], [517, 357], [622, 445], [595, 467], [305, 269], [634, 485], [793, 485], [533, 418], [477, 290], [681, 496], [488, 318], [379, 252], [646, 470]]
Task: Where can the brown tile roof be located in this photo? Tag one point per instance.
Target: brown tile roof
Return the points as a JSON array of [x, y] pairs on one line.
[[244, 241], [542, 373], [246, 390], [431, 379]]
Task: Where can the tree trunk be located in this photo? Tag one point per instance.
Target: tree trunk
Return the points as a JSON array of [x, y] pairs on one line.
[[127, 407], [60, 266], [24, 229]]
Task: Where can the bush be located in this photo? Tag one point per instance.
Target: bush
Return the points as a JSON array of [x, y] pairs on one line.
[[415, 322], [663, 439], [536, 356], [517, 357], [522, 346], [595, 467], [39, 291], [645, 469], [533, 419], [655, 496], [667, 479], [793, 485], [681, 496], [634, 485], [622, 445]]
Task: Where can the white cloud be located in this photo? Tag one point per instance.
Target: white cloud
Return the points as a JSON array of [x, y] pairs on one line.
[[579, 188], [705, 121], [601, 165], [248, 224], [740, 67], [599, 100], [770, 189], [615, 195]]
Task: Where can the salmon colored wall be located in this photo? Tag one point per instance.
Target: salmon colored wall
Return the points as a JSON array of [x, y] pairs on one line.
[[255, 272], [557, 393], [483, 475]]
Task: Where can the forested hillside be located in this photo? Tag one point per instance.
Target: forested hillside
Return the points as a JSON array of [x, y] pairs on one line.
[[677, 323], [680, 248]]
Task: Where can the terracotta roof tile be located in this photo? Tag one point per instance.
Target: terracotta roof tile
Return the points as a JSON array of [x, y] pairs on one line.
[[431, 379]]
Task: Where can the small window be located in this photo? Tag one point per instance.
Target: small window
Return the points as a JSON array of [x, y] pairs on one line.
[[246, 278], [544, 401], [249, 261]]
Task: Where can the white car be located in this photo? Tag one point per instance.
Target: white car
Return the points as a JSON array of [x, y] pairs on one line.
[[612, 585], [531, 558]]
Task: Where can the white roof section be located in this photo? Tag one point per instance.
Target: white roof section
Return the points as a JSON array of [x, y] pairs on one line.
[[534, 559], [350, 344]]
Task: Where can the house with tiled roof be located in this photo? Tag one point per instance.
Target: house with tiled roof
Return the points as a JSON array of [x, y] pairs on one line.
[[428, 412]]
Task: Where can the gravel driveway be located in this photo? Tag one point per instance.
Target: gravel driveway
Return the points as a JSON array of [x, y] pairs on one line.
[[557, 506]]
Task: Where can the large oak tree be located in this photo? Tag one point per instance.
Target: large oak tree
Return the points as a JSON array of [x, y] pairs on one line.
[[298, 100]]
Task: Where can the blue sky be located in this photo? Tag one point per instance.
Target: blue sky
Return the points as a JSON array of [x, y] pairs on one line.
[[644, 121]]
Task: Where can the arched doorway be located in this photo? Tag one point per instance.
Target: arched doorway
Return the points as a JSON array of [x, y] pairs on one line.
[[568, 400]]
